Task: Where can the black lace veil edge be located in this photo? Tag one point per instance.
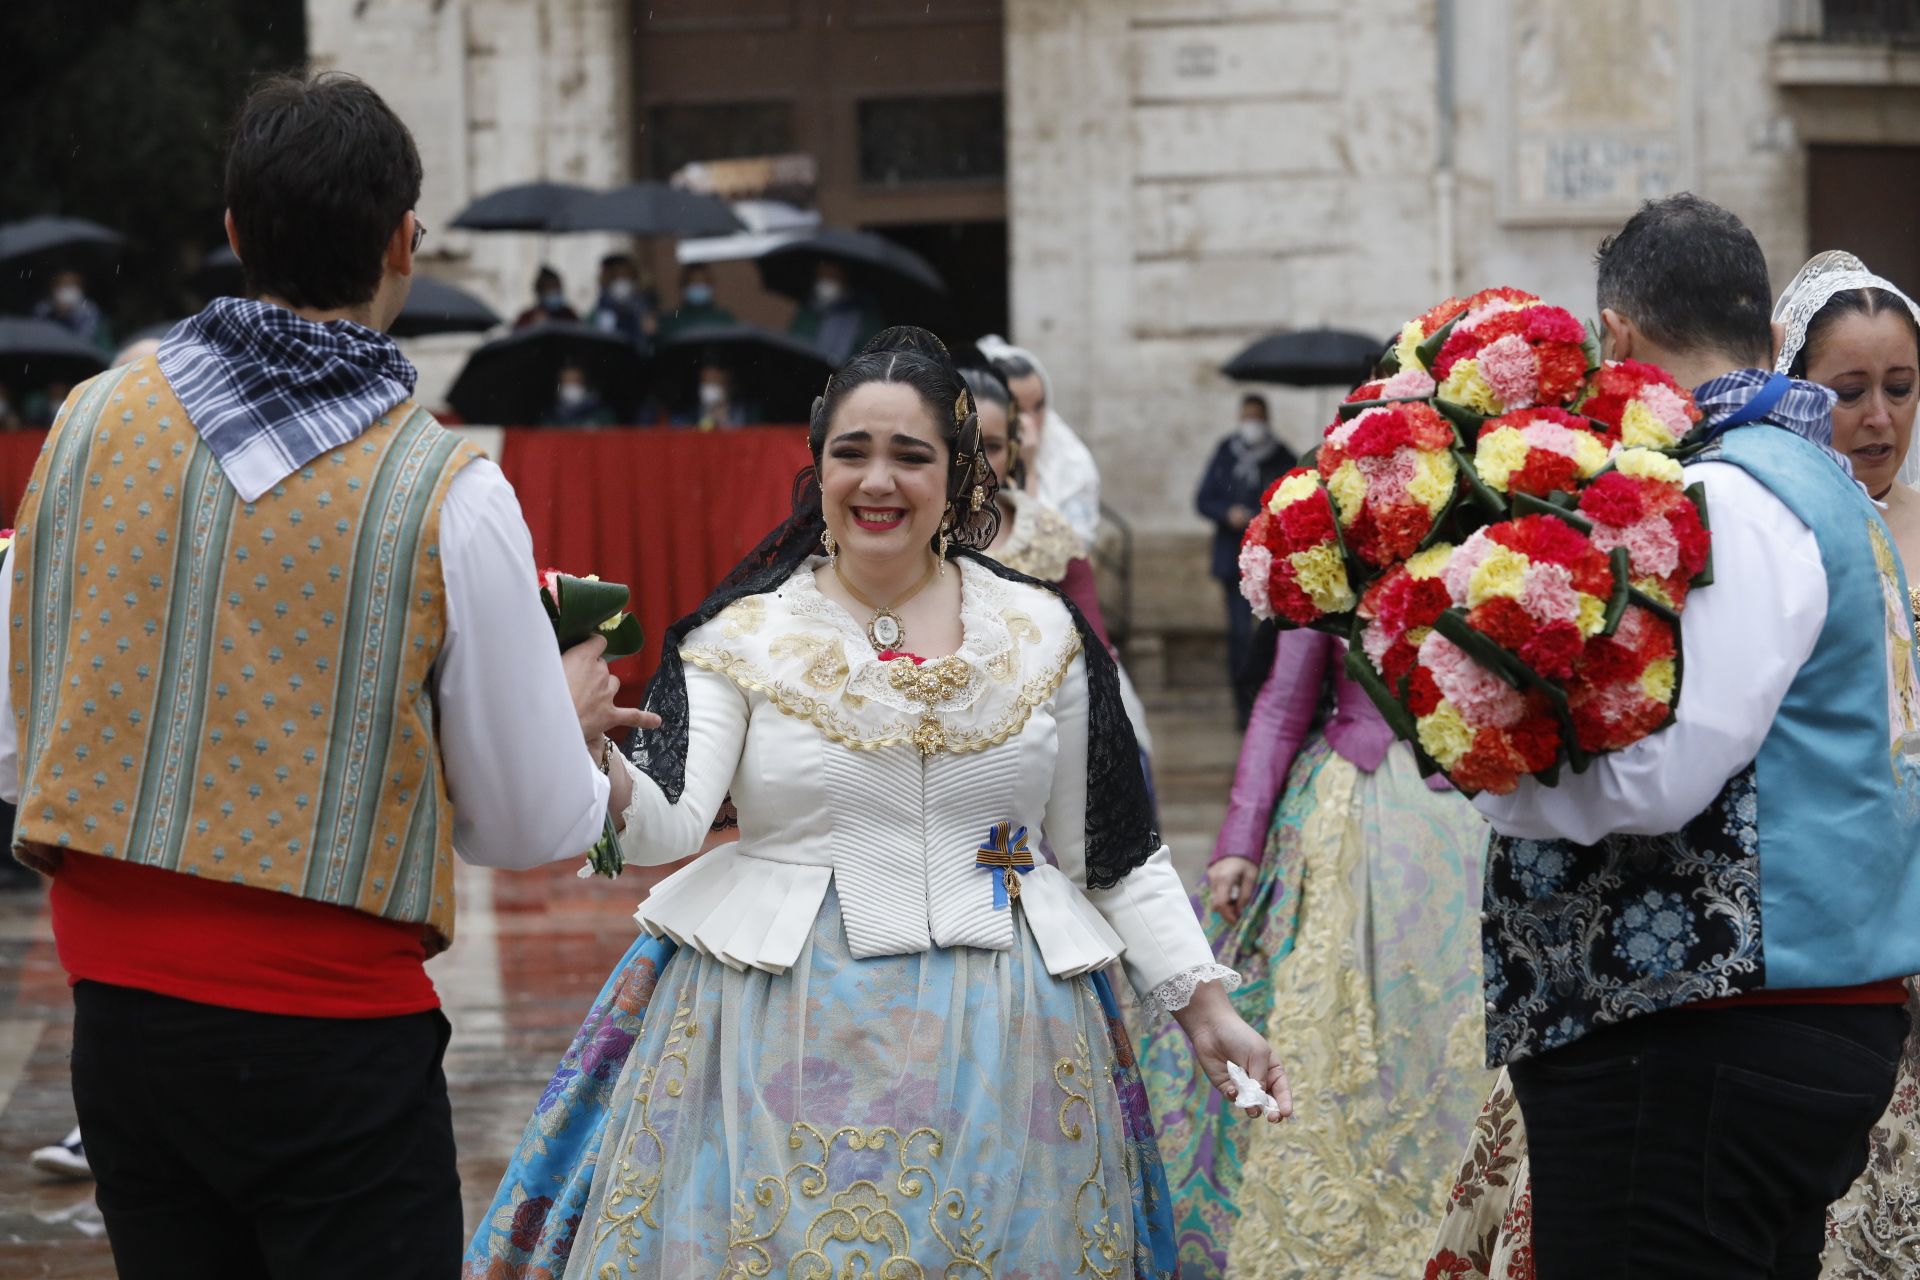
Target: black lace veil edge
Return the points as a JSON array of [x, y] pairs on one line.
[[1120, 829]]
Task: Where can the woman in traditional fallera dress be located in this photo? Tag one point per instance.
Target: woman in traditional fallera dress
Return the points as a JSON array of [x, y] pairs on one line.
[[1843, 327], [872, 1036], [1345, 889]]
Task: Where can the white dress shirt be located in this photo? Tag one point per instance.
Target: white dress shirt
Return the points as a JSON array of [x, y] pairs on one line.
[[1743, 641], [525, 788]]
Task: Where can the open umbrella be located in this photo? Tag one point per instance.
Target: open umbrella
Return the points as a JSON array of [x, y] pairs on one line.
[[528, 206], [899, 279], [434, 306], [1307, 358], [34, 353], [648, 209], [770, 224], [777, 375], [33, 249], [512, 379]]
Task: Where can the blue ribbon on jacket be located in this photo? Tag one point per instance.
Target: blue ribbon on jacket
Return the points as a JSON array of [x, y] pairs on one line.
[[1006, 856]]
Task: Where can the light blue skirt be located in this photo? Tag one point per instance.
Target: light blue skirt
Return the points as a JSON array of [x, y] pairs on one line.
[[955, 1113]]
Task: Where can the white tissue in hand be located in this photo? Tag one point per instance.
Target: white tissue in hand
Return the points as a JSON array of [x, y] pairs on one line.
[[1248, 1094]]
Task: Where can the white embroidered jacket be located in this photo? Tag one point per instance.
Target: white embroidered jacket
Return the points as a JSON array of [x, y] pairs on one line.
[[885, 779]]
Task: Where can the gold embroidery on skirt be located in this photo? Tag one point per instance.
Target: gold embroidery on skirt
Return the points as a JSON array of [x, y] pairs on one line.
[[1103, 1248], [635, 1184]]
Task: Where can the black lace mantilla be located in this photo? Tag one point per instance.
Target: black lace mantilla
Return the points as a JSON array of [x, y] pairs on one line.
[[1121, 833]]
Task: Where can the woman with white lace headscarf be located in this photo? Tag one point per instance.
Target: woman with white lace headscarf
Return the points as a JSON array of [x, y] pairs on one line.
[[1061, 471]]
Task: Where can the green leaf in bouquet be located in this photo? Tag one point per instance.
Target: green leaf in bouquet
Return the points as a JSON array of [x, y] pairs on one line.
[[1622, 565], [605, 857], [1527, 504], [1429, 351], [1466, 421], [1484, 496], [1640, 598], [1697, 493], [1361, 671], [584, 604], [1484, 650], [625, 637], [1350, 409]]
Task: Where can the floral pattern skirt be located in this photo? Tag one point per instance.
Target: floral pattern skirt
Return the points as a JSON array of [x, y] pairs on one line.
[[957, 1113], [1873, 1232], [1360, 949]]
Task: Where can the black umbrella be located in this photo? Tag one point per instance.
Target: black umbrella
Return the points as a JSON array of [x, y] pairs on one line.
[[434, 306], [34, 353], [1307, 358], [512, 379], [33, 249], [648, 209], [776, 375], [896, 277], [530, 206]]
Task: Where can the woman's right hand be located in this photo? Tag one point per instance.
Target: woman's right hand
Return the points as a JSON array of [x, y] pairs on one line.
[[1230, 883]]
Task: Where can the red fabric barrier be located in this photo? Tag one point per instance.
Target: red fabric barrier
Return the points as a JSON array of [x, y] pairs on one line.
[[666, 512], [19, 450]]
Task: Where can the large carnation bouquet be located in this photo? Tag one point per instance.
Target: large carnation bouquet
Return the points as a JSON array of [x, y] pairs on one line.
[[1498, 525]]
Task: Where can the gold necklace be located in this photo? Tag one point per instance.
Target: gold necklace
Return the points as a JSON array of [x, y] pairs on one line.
[[884, 629]]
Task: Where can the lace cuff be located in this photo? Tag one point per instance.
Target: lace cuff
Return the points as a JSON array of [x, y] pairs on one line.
[[1176, 992]]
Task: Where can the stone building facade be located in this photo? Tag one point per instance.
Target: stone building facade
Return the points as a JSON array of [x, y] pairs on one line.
[[1183, 176]]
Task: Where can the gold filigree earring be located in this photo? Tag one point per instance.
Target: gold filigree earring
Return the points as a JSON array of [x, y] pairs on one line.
[[945, 526], [832, 548]]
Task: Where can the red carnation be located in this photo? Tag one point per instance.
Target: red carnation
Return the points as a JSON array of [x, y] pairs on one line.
[[1423, 695], [1499, 292], [1614, 498], [1503, 621], [1606, 661], [1543, 472], [1289, 601], [1694, 540], [1397, 661], [1377, 433], [1553, 650], [1552, 324], [1562, 370], [1307, 523], [1431, 320], [1365, 391], [1427, 599], [1536, 740]]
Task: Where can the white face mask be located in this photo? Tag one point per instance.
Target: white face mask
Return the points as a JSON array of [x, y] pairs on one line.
[[712, 395], [68, 296], [621, 290], [572, 395], [1254, 430], [828, 292]]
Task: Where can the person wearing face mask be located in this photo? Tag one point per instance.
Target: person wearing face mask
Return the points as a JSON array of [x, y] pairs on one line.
[[836, 318], [67, 305], [1248, 460], [697, 309], [624, 307], [576, 403], [549, 301]]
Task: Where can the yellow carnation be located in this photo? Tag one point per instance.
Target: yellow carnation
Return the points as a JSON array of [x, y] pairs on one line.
[[1291, 490], [1445, 736], [1657, 680], [1434, 475], [1502, 573], [1349, 489], [1592, 619], [1406, 349], [1432, 562], [1640, 426], [1499, 454], [1654, 589], [1465, 386], [1589, 453], [1647, 464], [1322, 574]]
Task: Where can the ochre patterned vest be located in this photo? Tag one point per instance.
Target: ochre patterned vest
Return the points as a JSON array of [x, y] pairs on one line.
[[235, 689]]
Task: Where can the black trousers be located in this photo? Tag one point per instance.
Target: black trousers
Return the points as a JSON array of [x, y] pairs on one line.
[[1239, 640], [1703, 1142], [239, 1146]]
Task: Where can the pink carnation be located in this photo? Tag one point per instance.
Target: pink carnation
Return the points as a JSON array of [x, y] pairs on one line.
[[1256, 570], [1409, 384], [1484, 700], [1549, 595], [1511, 369], [1667, 405], [1459, 570]]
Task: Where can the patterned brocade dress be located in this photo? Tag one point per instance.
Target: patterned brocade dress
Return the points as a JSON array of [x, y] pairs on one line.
[[1360, 953], [847, 1047]]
